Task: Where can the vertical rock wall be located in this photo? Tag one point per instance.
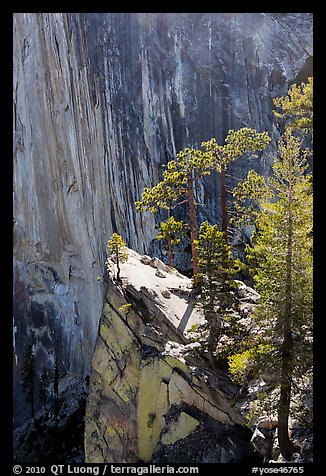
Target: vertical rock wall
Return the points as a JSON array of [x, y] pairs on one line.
[[100, 101]]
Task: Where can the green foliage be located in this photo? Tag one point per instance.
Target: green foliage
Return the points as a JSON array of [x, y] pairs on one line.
[[239, 366], [163, 195], [117, 251], [296, 109], [282, 252], [171, 230], [289, 212], [281, 255], [117, 248], [214, 255], [237, 143], [194, 328], [290, 205], [247, 195], [214, 284], [178, 182], [125, 307], [190, 164], [247, 362]]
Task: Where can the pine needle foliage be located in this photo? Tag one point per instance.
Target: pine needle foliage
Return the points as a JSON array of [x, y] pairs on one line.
[[281, 256], [117, 251]]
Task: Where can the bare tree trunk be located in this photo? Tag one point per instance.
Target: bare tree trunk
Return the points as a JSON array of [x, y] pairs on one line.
[[170, 255], [192, 224], [223, 204], [286, 447], [212, 341], [118, 271]]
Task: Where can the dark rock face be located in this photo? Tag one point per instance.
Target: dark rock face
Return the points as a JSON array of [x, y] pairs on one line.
[[100, 101], [213, 442], [56, 435]]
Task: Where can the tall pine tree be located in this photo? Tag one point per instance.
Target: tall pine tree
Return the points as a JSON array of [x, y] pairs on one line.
[[281, 252], [178, 187]]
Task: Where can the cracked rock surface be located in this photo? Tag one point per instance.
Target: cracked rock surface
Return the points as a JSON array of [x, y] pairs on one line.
[[152, 397]]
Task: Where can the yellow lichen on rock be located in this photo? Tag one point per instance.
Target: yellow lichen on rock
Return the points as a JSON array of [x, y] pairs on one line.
[[153, 404], [179, 429], [181, 392], [177, 363]]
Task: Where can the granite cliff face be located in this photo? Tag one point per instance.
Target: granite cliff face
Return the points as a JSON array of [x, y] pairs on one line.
[[100, 101]]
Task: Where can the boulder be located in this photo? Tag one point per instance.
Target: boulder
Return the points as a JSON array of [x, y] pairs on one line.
[[262, 442], [159, 273], [145, 259], [157, 263], [166, 294], [247, 294]]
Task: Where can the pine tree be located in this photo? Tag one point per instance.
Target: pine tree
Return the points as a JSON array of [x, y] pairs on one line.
[[172, 231], [214, 285], [237, 144], [181, 175], [296, 109], [247, 196], [28, 375], [178, 183], [117, 251], [44, 387], [282, 254]]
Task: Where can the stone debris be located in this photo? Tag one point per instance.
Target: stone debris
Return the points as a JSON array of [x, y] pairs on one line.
[[159, 273], [166, 294]]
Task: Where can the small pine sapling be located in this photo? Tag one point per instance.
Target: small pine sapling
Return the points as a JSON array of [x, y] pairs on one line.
[[117, 252]]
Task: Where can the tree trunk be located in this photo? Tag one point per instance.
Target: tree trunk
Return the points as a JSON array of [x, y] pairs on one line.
[[192, 224], [212, 341], [223, 204], [286, 447], [170, 253], [118, 271]]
